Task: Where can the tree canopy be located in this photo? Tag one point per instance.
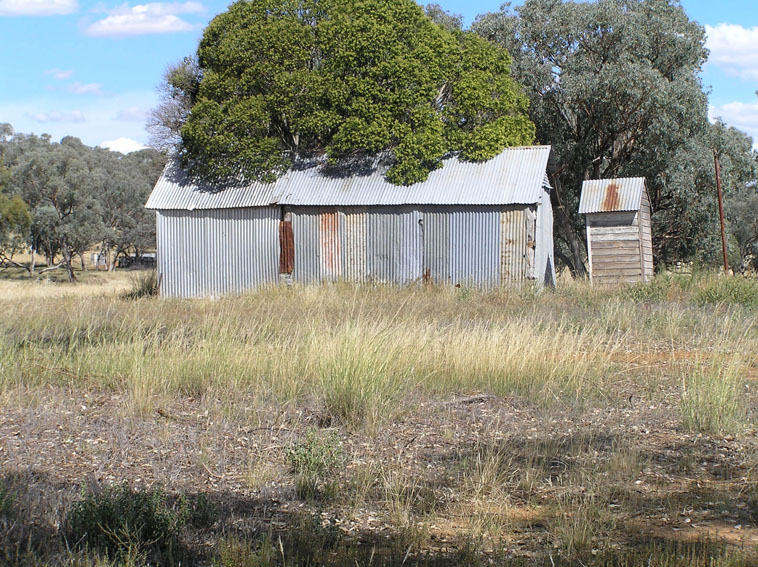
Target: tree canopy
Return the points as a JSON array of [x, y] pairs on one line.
[[614, 86], [282, 80]]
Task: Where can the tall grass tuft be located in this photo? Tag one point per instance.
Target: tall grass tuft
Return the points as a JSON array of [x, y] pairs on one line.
[[712, 399], [144, 284], [363, 374]]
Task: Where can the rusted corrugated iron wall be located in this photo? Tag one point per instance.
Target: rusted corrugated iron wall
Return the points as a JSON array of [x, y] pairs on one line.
[[475, 246], [353, 234], [219, 251], [377, 244]]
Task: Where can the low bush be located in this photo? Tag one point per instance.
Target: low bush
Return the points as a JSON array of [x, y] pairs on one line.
[[126, 523], [740, 290], [313, 460], [7, 499]]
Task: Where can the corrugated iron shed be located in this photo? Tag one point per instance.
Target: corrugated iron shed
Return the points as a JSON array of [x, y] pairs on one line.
[[611, 195], [516, 176]]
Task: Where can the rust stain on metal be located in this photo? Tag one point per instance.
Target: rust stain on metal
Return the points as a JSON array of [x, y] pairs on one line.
[[427, 276], [286, 248], [330, 241], [611, 201]]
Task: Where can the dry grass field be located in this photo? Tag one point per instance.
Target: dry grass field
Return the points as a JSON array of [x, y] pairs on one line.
[[345, 425]]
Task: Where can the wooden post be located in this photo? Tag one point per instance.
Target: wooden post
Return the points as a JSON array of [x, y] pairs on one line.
[[721, 210]]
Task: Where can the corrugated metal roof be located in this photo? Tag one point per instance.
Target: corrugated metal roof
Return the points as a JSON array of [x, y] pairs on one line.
[[611, 195], [516, 176]]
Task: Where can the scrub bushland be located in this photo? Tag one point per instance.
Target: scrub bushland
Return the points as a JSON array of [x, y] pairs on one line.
[[374, 425]]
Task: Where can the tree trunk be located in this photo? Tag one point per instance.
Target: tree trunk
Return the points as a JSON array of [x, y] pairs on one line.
[[567, 232], [111, 262], [67, 262], [31, 261], [575, 245]]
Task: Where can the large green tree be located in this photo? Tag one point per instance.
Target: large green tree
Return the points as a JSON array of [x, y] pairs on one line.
[[614, 87], [279, 80]]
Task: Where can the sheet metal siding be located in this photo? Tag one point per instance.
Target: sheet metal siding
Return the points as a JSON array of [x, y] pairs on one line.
[[610, 195], [436, 232], [544, 254], [646, 233], [206, 253], [514, 176], [475, 246], [305, 226], [394, 246]]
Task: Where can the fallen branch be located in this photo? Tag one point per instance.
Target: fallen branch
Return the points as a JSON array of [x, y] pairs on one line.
[[472, 399], [51, 268]]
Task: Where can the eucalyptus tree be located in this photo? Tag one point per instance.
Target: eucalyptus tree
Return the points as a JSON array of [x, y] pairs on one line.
[[280, 80], [15, 222], [686, 219], [124, 184], [177, 92], [615, 88], [56, 183]]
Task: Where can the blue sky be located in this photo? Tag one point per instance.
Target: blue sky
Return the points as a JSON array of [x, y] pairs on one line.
[[89, 68]]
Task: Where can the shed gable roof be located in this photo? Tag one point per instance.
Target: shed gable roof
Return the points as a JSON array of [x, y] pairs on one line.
[[516, 176], [611, 195]]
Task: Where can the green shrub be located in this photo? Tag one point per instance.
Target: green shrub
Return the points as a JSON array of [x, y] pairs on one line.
[[126, 523], [313, 460], [199, 510], [7, 499], [145, 284], [657, 289], [740, 290]]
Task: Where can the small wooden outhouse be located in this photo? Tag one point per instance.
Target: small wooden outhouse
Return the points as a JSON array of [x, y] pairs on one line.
[[619, 241]]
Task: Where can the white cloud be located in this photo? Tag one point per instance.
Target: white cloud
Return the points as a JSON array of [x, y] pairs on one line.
[[100, 114], [734, 49], [90, 88], [132, 114], [37, 7], [151, 18], [123, 145], [56, 116], [741, 115], [60, 74]]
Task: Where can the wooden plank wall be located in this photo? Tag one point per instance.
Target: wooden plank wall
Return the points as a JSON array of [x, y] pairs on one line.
[[646, 235], [614, 247]]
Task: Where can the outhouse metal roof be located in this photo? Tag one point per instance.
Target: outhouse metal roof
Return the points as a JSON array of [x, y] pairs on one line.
[[516, 176], [611, 195]]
